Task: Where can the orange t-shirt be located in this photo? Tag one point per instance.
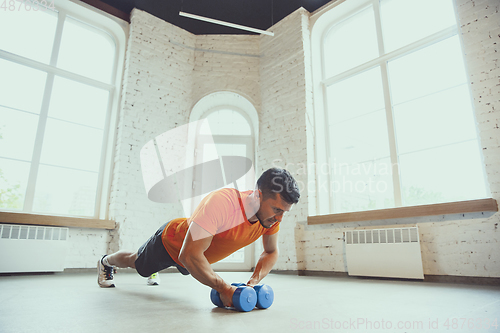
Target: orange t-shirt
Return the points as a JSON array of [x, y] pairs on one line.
[[222, 214]]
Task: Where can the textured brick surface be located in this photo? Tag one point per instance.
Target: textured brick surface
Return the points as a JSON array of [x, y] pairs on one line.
[[227, 63], [283, 141]]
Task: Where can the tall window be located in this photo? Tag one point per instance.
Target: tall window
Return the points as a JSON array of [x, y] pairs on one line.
[[230, 129], [227, 133], [57, 86], [397, 108]]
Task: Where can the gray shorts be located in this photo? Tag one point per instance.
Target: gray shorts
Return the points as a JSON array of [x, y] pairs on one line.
[[152, 256]]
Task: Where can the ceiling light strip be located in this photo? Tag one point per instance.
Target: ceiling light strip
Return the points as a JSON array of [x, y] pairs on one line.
[[227, 24]]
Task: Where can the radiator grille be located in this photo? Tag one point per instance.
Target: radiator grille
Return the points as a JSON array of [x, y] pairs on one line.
[[32, 248], [33, 232], [382, 236], [389, 252]]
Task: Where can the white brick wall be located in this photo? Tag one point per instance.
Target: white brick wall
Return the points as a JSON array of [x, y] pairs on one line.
[[227, 63], [480, 26], [283, 141], [85, 247]]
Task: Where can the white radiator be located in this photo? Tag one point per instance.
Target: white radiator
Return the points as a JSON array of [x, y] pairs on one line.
[[32, 248], [390, 252]]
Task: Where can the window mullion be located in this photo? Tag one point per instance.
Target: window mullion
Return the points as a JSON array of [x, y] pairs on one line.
[[323, 202], [42, 120], [439, 36], [378, 25], [392, 136], [328, 178], [388, 108], [37, 150], [57, 39], [54, 70], [101, 197]]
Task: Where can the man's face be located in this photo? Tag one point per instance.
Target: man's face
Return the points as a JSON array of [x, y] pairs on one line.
[[271, 211]]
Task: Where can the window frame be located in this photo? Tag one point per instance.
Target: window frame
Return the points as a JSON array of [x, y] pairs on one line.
[[322, 22], [226, 100], [117, 31], [201, 141]]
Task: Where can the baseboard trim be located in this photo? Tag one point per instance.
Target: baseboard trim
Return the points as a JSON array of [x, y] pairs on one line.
[[453, 279], [490, 281]]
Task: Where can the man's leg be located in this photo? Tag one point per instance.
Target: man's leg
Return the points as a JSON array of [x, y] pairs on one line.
[[151, 258], [154, 279], [107, 264], [122, 259]]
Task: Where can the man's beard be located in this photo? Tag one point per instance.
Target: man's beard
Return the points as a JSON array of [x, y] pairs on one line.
[[262, 223]]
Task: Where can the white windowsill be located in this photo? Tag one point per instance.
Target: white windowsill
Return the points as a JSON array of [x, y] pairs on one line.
[[59, 221]]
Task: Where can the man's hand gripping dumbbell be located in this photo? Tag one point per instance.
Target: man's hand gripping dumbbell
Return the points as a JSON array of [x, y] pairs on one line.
[[244, 298]]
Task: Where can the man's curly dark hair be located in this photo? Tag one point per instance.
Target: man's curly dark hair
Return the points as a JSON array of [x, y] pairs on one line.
[[276, 180]]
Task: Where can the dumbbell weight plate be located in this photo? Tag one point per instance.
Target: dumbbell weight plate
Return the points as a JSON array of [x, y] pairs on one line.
[[244, 299], [215, 297], [265, 296]]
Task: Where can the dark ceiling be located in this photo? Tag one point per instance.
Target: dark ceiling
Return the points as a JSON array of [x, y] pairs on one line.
[[260, 14]]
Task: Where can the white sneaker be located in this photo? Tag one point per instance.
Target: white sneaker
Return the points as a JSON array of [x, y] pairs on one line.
[[104, 275], [154, 279]]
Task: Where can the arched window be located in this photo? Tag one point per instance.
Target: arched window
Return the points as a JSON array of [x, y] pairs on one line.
[[230, 130], [226, 133], [60, 73], [394, 118]]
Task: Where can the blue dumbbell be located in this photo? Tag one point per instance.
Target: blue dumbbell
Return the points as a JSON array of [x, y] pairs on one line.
[[265, 296], [244, 298], [215, 298]]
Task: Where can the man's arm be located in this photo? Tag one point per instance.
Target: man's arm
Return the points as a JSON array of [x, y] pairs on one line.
[[192, 257], [267, 259]]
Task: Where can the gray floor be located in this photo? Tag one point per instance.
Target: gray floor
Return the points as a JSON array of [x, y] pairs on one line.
[[74, 303]]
